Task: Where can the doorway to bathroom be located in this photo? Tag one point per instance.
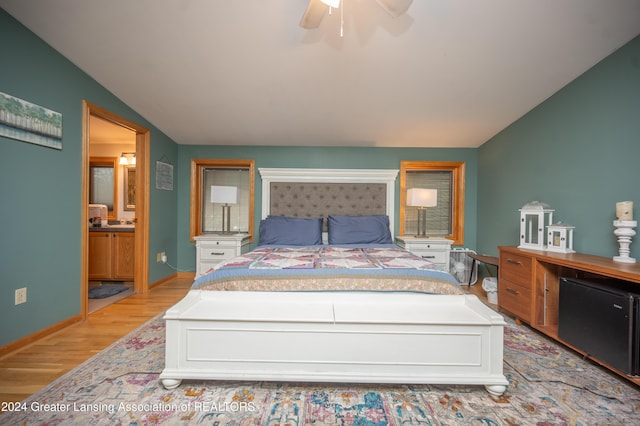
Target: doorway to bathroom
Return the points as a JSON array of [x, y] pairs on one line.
[[115, 247]]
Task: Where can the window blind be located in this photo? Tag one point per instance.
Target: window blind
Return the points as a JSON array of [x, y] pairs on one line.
[[439, 218]]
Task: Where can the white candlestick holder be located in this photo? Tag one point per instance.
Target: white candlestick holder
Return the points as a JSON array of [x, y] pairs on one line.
[[624, 231]]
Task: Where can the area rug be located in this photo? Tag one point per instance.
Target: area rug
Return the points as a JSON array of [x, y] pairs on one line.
[[106, 290], [549, 385]]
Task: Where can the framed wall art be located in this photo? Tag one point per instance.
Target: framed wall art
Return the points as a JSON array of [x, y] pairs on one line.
[[27, 122], [164, 176]]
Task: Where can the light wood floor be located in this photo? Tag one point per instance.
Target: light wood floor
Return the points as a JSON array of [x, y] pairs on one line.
[[27, 370]]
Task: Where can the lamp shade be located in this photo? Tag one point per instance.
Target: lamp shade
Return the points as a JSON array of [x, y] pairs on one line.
[[224, 194], [124, 160], [422, 197]]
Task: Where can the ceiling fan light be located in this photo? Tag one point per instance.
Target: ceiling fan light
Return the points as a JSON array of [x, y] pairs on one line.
[[332, 3]]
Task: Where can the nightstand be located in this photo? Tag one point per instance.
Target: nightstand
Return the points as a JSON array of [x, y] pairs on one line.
[[212, 249], [435, 250]]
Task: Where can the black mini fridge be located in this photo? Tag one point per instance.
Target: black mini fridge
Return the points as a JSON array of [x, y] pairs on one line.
[[601, 318]]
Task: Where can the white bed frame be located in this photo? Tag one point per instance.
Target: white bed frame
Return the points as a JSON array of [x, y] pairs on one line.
[[334, 336]]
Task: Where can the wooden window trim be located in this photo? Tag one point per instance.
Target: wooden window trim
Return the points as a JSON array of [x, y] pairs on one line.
[[197, 164], [458, 170]]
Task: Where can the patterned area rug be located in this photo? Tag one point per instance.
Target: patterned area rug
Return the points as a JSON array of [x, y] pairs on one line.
[[549, 385]]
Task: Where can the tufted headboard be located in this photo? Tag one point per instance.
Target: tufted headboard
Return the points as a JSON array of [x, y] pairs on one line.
[[320, 192]]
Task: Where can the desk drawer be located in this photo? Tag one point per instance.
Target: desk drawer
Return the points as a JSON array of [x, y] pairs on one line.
[[516, 268], [515, 299]]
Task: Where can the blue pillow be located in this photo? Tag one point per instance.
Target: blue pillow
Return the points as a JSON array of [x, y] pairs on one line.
[[291, 231], [359, 230]]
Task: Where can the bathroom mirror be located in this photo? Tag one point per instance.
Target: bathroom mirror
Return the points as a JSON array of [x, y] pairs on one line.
[[129, 188]]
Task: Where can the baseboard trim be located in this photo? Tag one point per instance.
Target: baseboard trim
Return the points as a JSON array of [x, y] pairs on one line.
[[162, 280], [32, 338], [188, 275]]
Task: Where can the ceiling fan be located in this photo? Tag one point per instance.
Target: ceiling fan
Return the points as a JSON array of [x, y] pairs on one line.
[[316, 9]]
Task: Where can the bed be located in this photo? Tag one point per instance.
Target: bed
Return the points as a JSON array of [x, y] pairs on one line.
[[328, 297]]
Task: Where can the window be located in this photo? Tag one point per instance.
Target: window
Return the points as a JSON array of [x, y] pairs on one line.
[[446, 219], [103, 176], [209, 217]]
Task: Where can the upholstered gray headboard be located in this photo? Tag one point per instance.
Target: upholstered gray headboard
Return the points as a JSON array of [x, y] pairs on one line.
[[320, 192], [300, 199]]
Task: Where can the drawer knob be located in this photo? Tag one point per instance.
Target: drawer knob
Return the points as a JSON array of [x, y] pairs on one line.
[[513, 261], [513, 291]]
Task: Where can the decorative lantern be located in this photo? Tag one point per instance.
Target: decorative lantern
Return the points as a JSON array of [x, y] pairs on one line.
[[560, 238], [533, 217]]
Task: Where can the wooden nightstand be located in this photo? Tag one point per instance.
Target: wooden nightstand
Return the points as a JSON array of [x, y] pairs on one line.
[[212, 249], [435, 250]]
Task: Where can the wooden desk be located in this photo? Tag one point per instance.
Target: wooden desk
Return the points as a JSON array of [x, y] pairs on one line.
[[489, 260]]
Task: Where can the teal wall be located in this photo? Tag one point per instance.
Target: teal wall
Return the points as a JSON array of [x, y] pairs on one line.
[[319, 157], [40, 188], [578, 152]]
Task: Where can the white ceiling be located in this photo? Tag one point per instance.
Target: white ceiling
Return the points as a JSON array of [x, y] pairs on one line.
[[104, 132], [449, 73]]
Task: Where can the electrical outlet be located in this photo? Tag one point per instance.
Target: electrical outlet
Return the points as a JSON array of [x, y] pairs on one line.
[[21, 295], [159, 256]]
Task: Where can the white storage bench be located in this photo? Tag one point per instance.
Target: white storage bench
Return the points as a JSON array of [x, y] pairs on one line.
[[363, 337]]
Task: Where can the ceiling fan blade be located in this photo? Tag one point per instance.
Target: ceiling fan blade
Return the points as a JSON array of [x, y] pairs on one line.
[[395, 7], [312, 17]]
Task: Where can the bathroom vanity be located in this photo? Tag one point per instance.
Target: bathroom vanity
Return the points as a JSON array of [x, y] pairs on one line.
[[111, 253]]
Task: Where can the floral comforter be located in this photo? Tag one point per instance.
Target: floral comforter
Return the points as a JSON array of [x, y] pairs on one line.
[[329, 268]]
